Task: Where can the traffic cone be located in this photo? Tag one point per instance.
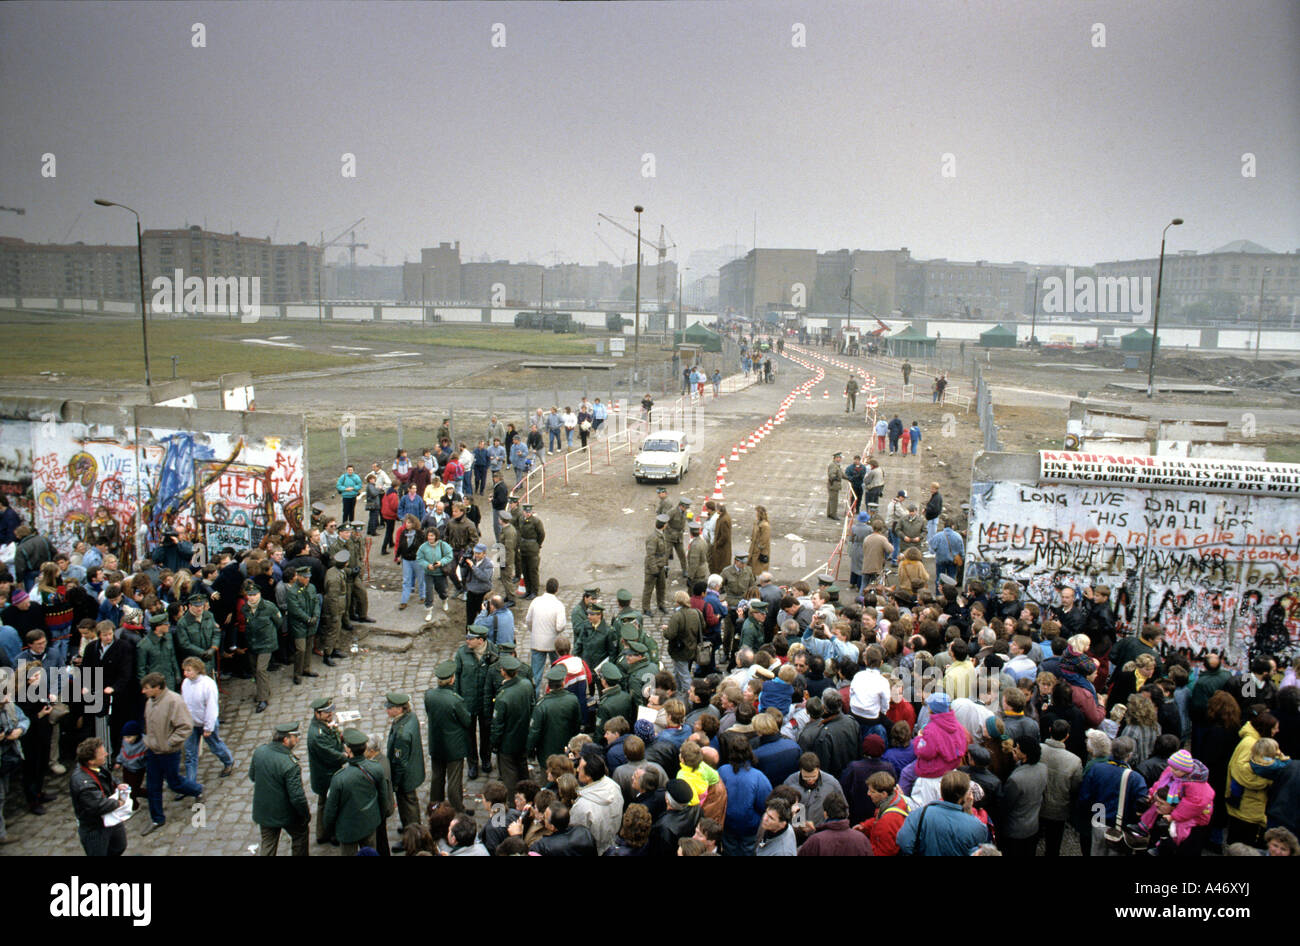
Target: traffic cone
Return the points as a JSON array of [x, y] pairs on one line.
[[734, 455], [826, 395], [742, 449], [722, 465]]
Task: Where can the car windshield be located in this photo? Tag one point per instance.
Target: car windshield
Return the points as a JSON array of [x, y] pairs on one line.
[[660, 446]]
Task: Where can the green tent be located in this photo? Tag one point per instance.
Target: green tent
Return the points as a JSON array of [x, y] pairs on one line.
[[697, 334], [911, 343], [1137, 340], [999, 336]]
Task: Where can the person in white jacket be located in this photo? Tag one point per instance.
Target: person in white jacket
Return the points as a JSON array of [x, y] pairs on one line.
[[599, 806], [200, 694], [545, 620]]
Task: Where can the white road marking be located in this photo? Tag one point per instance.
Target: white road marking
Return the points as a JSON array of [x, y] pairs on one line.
[[398, 354], [350, 348], [265, 341]]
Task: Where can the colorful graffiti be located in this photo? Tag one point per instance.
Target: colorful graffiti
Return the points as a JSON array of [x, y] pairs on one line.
[[1219, 572], [224, 488]]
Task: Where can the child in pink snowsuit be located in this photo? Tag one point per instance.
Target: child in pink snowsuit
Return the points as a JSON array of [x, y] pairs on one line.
[[1190, 794]]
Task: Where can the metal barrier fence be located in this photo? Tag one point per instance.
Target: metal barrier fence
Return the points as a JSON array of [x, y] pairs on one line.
[[984, 411], [629, 424]]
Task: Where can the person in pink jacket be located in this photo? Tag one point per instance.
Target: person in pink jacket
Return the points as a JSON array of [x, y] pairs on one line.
[[942, 743], [1188, 802]]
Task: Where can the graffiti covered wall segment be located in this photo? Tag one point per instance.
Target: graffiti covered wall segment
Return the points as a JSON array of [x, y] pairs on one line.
[[1218, 569], [223, 476]]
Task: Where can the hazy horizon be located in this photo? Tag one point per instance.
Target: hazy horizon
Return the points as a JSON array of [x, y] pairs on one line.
[[1064, 153]]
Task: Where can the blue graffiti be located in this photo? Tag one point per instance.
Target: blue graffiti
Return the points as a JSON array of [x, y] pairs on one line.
[[175, 487]]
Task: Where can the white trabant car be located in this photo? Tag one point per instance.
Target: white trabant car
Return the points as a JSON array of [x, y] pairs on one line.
[[664, 455]]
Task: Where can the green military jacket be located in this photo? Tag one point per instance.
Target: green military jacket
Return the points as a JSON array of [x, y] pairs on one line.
[[405, 753], [833, 476], [325, 755], [193, 638], [511, 716], [614, 701], [449, 724], [751, 633], [510, 543], [278, 798], [557, 717], [637, 678], [303, 604], [601, 643], [579, 625], [676, 525], [684, 633], [356, 556], [656, 552], [156, 654], [697, 560], [262, 627], [531, 534], [358, 801], [336, 593], [736, 583], [665, 507], [476, 680]]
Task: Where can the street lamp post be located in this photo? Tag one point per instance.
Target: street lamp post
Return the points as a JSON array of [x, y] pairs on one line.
[[144, 311], [1155, 320], [1259, 328], [848, 314], [1033, 319], [636, 328]]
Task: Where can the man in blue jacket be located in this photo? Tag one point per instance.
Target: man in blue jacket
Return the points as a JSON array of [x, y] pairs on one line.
[[1101, 787], [349, 486], [942, 828]]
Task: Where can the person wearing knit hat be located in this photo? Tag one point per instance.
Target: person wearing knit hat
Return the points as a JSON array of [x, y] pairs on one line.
[[1188, 803]]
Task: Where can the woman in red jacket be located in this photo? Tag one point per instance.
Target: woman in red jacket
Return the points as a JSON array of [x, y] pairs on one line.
[[388, 512]]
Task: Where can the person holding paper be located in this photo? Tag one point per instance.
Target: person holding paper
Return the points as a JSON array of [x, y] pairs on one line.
[[101, 807]]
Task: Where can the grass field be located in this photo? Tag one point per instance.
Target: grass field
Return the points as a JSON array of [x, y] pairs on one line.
[[498, 338], [110, 349]]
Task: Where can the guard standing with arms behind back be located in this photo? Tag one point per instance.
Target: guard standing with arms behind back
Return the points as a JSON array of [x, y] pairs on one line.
[[657, 555], [325, 756], [833, 477], [531, 536], [449, 737], [279, 801], [405, 757]]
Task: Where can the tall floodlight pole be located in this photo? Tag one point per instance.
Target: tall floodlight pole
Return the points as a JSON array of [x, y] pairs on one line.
[[636, 337], [1155, 321], [144, 311], [1259, 329]]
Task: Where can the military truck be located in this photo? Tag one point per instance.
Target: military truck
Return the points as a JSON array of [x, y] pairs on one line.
[[557, 322]]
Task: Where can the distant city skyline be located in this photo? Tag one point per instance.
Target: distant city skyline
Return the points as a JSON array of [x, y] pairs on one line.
[[1064, 151]]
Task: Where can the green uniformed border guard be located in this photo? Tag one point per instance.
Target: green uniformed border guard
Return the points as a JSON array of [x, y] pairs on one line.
[[334, 607], [509, 556], [449, 737], [579, 626], [358, 599], [405, 757], [657, 556], [196, 633], [834, 475], [614, 700], [531, 536], [156, 652], [639, 671], [325, 756], [673, 533], [262, 625], [851, 395], [358, 803], [737, 580], [279, 801], [476, 678], [556, 719], [697, 556], [665, 505], [511, 717], [304, 608], [751, 632], [602, 644]]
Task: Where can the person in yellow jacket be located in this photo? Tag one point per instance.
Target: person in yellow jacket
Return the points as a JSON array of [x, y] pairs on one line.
[[1246, 794]]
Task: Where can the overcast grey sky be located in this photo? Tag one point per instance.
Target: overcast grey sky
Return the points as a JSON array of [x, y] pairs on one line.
[[1063, 152]]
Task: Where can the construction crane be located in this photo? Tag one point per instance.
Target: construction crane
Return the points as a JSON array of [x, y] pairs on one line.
[[662, 248], [350, 230], [620, 255]]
